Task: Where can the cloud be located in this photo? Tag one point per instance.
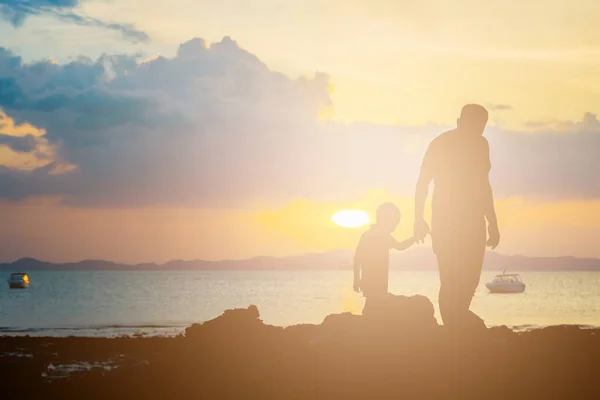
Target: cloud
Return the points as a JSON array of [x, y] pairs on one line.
[[499, 107], [17, 11], [548, 163], [588, 124], [215, 127], [24, 144], [24, 147], [128, 31]]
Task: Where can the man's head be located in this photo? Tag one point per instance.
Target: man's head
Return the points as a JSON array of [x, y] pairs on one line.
[[473, 119], [387, 216]]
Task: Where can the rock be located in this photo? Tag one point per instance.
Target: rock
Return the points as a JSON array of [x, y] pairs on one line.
[[237, 336], [302, 332], [401, 312], [394, 351], [344, 321], [235, 324], [338, 327]]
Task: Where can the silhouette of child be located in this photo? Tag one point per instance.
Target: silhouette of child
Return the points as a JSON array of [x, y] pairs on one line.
[[372, 256]]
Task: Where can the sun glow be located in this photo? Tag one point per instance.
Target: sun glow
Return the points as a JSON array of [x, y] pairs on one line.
[[350, 218]]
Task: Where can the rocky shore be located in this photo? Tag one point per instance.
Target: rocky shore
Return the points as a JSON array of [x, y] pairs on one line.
[[395, 351]]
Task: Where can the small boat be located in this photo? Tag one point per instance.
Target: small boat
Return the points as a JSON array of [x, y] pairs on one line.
[[18, 280], [506, 283]]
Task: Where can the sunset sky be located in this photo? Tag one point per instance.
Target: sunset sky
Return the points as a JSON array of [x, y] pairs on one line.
[[147, 131]]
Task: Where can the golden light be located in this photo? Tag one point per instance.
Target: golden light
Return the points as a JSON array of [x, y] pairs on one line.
[[350, 218]]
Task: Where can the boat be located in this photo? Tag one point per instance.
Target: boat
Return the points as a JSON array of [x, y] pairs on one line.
[[506, 283], [18, 280]]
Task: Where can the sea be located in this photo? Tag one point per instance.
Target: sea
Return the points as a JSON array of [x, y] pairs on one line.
[[111, 304]]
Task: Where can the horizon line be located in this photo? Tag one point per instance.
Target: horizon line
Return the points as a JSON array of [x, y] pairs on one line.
[[270, 257]]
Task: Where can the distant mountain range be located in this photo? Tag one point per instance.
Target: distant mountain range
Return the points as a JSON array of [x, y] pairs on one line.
[[416, 259]]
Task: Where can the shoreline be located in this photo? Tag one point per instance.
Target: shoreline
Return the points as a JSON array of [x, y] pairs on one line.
[[398, 351], [172, 331]]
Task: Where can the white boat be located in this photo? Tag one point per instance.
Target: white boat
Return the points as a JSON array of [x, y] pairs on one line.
[[506, 283], [18, 280]]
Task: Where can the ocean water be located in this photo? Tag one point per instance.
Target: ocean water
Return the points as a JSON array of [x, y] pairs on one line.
[[164, 303]]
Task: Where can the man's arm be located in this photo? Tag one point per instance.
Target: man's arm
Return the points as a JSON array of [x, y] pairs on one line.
[[490, 211], [421, 191], [357, 265]]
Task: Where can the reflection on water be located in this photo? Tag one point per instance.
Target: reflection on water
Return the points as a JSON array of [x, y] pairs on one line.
[[114, 303]]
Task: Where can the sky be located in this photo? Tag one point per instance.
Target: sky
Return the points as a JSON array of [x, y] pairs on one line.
[[149, 131]]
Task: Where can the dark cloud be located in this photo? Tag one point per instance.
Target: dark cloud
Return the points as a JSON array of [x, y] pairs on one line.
[[214, 126], [128, 31], [19, 144], [17, 11], [18, 185]]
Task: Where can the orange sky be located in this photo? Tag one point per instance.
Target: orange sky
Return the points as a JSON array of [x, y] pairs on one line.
[[160, 146], [52, 232]]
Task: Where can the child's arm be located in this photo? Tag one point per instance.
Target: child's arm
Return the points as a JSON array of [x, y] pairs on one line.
[[404, 244]]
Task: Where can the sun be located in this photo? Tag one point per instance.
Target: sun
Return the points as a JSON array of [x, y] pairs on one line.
[[350, 218]]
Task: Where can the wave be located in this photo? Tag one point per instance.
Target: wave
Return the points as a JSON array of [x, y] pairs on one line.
[[111, 330]]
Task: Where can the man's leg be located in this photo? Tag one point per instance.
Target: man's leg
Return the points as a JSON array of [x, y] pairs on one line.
[[474, 264], [450, 300], [460, 271]]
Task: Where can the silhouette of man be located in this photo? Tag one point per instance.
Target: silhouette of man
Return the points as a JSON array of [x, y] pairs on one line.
[[458, 162]]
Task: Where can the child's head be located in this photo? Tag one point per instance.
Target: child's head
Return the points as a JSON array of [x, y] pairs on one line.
[[387, 216]]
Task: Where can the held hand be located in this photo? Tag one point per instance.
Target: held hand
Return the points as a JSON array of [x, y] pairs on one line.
[[421, 230], [493, 236]]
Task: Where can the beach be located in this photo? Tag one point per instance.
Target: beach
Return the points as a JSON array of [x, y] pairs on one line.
[[299, 199], [402, 353]]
